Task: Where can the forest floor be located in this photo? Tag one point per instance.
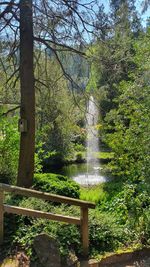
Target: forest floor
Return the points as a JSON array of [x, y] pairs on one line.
[[139, 263], [21, 260]]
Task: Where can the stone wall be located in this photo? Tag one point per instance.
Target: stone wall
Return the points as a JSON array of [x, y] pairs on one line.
[[139, 258]]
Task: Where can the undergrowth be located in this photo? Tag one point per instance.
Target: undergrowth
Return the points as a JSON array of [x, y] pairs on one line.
[[121, 218]]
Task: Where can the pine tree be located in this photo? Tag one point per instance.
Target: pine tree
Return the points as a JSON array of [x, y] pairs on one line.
[[125, 16], [115, 52]]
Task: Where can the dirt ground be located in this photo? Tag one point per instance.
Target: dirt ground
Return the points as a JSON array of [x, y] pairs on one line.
[[137, 260], [139, 263], [20, 260]]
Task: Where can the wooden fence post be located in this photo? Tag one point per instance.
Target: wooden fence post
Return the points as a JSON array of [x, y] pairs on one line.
[[1, 216], [85, 231], [83, 220]]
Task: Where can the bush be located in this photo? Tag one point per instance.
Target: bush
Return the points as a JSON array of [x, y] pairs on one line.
[[105, 230], [105, 234], [56, 184], [23, 229], [79, 157], [131, 208], [9, 149]]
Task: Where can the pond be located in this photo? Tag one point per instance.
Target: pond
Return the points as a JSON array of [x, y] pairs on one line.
[[84, 175]]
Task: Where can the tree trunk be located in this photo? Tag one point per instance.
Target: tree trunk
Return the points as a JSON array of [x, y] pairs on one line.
[[27, 111]]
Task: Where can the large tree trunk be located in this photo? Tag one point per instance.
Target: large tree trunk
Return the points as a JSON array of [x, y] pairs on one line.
[[27, 112]]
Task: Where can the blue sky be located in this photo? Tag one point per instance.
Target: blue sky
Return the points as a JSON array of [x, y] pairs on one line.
[[139, 9]]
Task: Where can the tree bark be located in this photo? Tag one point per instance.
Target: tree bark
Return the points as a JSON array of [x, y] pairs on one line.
[[27, 111]]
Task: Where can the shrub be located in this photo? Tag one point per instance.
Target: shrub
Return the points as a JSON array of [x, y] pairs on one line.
[[56, 184], [23, 229], [9, 149], [131, 208], [105, 233], [79, 157]]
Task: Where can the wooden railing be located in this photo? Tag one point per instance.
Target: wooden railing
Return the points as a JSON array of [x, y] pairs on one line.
[[82, 221]]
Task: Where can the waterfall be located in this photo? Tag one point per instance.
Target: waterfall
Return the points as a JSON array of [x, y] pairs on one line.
[[92, 134], [92, 175]]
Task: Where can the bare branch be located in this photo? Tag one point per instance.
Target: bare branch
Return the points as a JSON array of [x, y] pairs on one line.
[[64, 46], [12, 75], [9, 111]]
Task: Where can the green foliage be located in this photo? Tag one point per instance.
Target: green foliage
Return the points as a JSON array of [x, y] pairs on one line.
[[105, 233], [68, 236], [79, 147], [131, 208], [57, 115], [95, 193], [120, 82], [113, 54], [26, 228], [103, 193], [117, 77], [42, 155], [79, 157], [9, 148], [104, 155], [71, 243], [121, 219], [57, 184], [127, 204], [127, 125], [129, 136]]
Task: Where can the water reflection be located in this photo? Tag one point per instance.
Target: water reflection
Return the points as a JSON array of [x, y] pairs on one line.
[[78, 172]]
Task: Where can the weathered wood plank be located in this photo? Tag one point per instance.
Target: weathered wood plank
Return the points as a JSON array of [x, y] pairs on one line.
[[85, 231], [41, 214], [46, 196]]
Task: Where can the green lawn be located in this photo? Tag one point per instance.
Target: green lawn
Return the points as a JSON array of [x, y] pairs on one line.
[[104, 155], [94, 193], [100, 155]]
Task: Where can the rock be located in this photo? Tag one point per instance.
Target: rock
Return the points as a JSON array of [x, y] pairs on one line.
[[72, 260], [23, 260], [18, 260], [47, 251]]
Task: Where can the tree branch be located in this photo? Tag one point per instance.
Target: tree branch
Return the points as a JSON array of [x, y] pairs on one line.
[[10, 110]]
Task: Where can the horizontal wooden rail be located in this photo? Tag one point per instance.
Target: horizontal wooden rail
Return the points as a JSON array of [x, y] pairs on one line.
[[46, 196], [41, 214], [84, 206]]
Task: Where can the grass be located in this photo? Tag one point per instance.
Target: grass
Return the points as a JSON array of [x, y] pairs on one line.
[[94, 193], [101, 192], [100, 155], [104, 155]]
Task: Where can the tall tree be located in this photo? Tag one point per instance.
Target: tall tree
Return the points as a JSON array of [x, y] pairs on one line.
[[113, 55], [27, 110], [129, 123], [125, 16], [58, 25], [146, 4]]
